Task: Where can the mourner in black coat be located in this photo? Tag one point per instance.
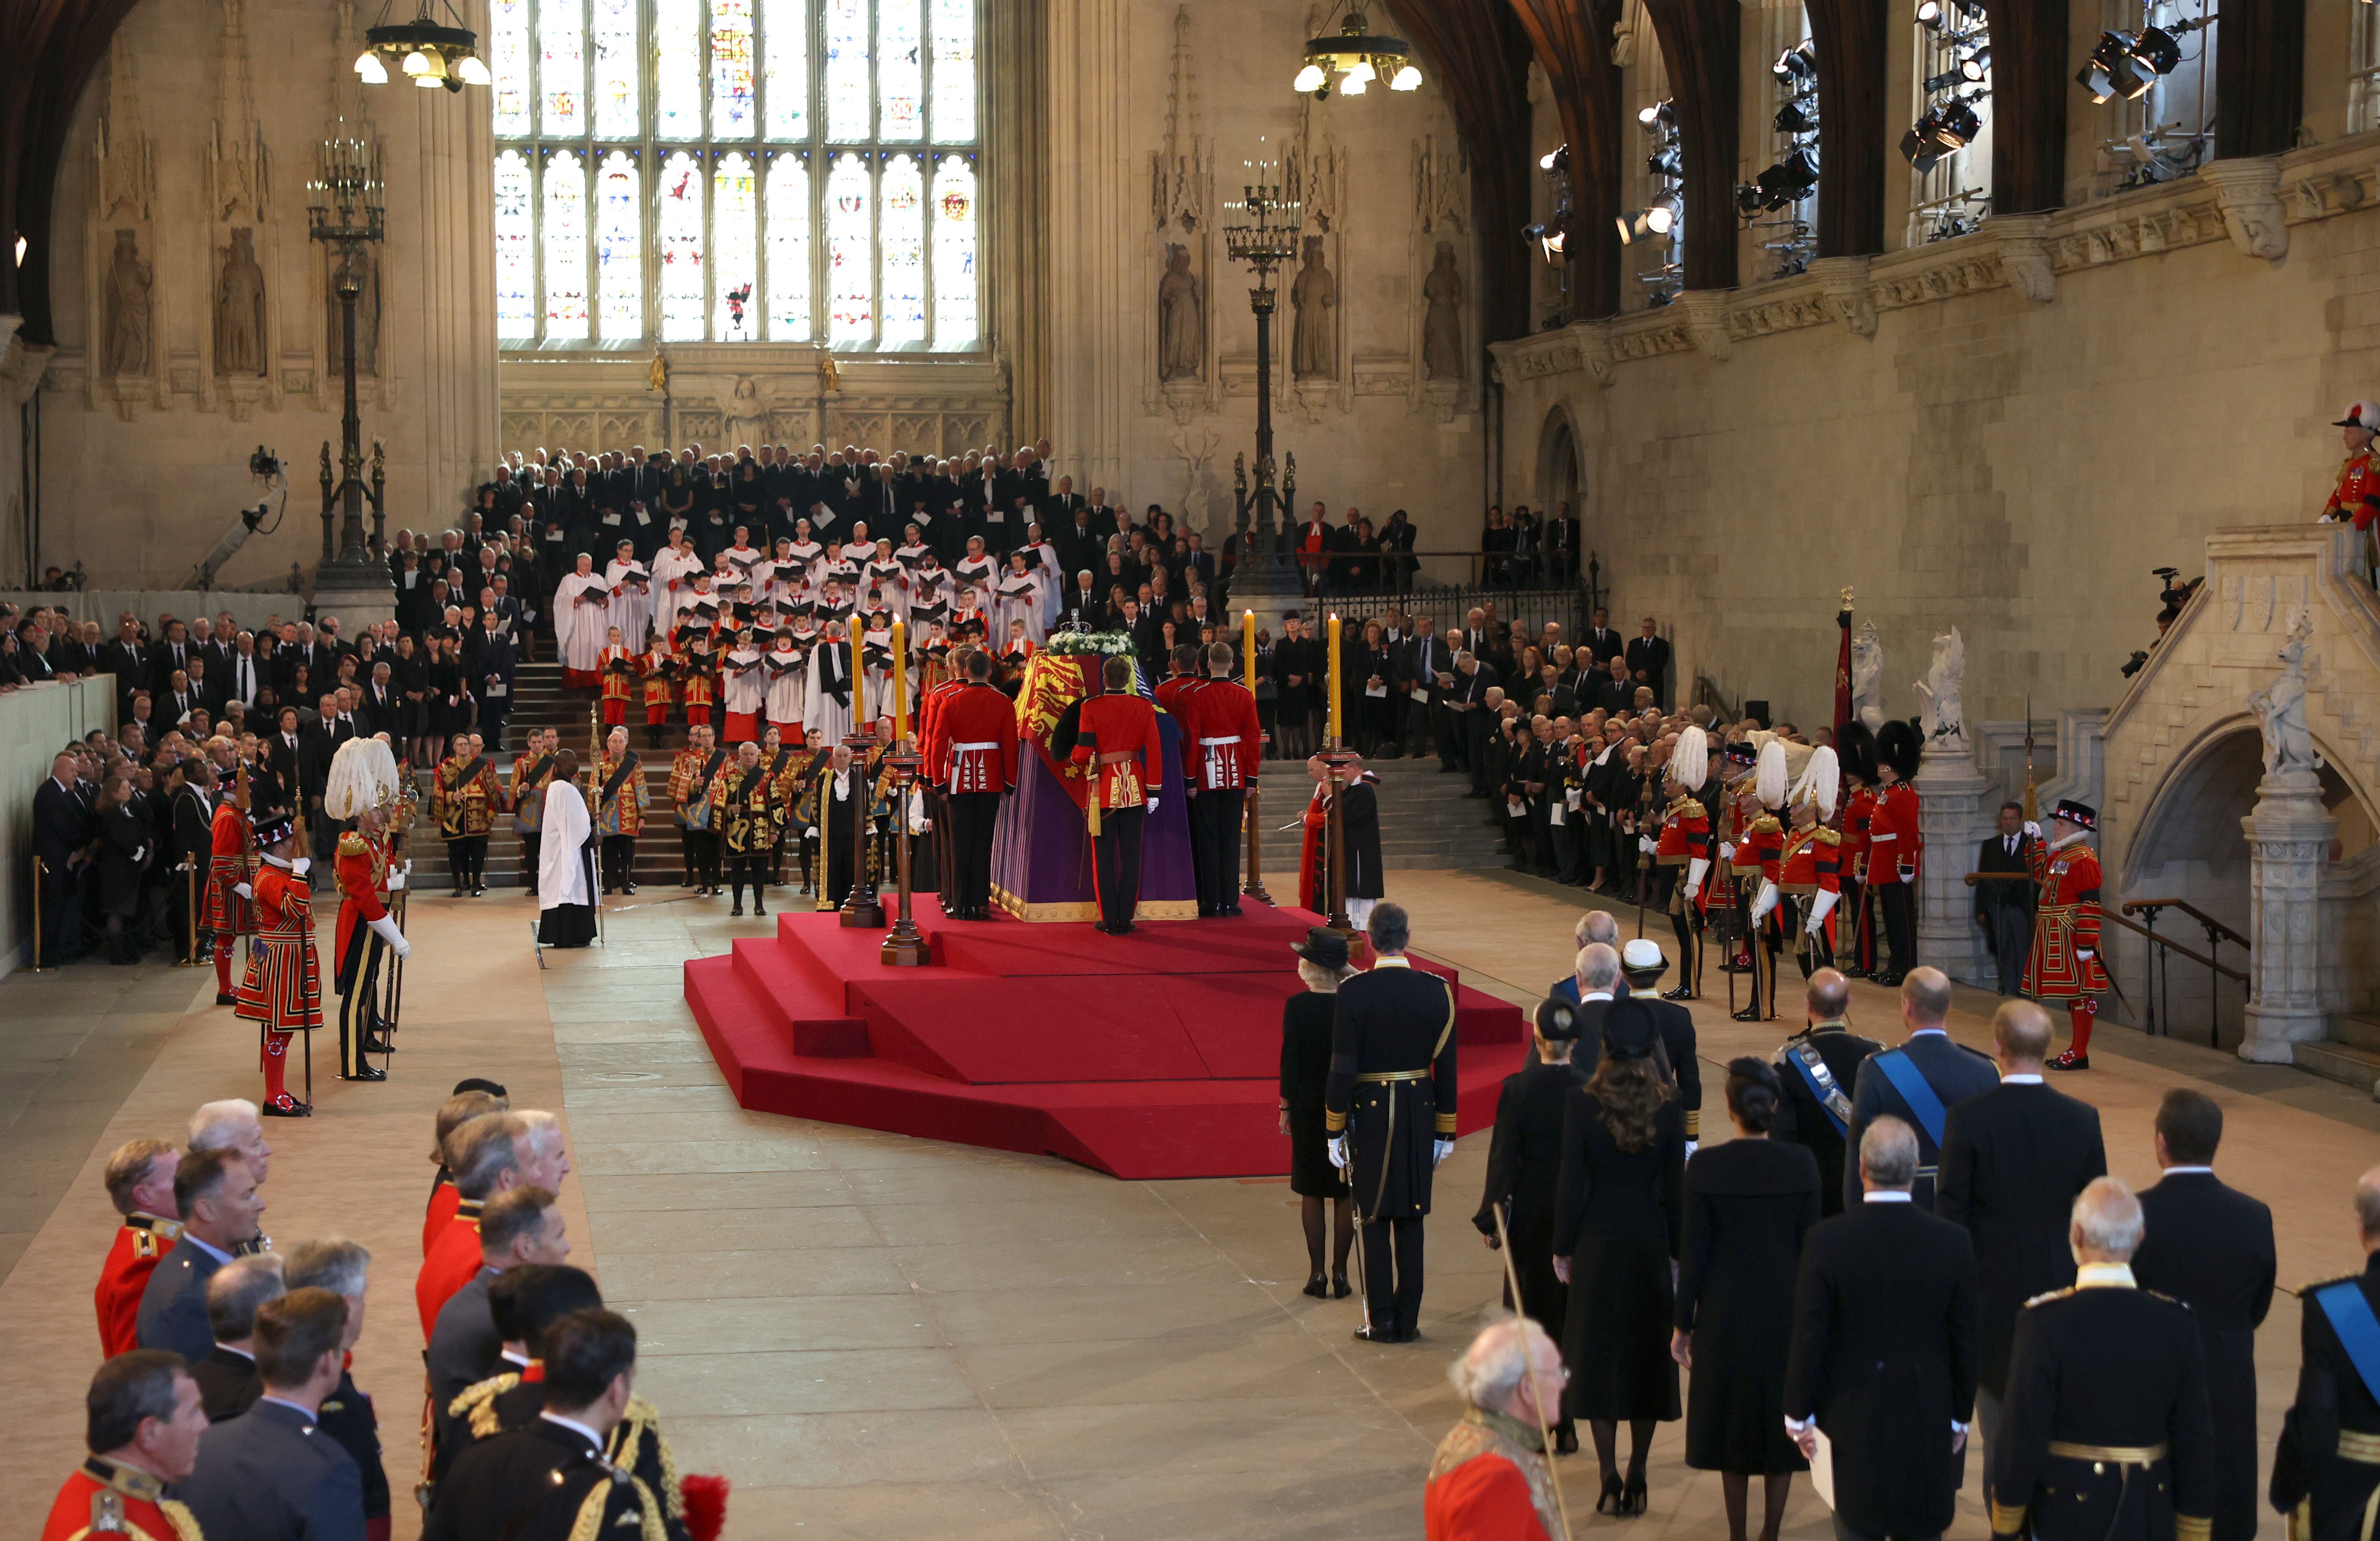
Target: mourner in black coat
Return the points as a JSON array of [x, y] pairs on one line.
[[1884, 1355], [1390, 1109], [2004, 906], [1750, 1201], [2210, 1247], [1306, 1028], [2013, 1162]]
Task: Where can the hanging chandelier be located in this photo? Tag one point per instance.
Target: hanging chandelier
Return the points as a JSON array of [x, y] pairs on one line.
[[430, 52], [1358, 57]]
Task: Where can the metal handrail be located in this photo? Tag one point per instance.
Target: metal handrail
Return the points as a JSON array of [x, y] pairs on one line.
[[2172, 946], [2185, 906], [2156, 970]]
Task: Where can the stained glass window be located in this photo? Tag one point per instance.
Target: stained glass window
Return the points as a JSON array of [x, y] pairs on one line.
[[901, 240], [508, 63], [731, 69], [789, 249], [850, 253], [955, 324], [615, 69], [678, 227], [564, 248], [677, 72], [516, 251], [731, 170], [953, 71], [847, 68], [900, 74], [787, 66], [619, 249], [734, 249], [562, 72]]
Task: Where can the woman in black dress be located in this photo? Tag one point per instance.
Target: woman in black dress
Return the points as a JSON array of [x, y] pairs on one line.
[[1749, 1202], [1305, 1065], [1616, 1229]]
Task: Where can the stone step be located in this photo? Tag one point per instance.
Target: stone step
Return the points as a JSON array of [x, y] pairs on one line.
[[2357, 1031], [2342, 1062]]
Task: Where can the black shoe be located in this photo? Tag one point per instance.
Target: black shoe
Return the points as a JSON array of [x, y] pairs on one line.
[[478, 892], [1339, 1288], [2071, 1061], [1232, 914], [1379, 1335], [367, 1073], [1632, 1498], [1566, 1440], [757, 909], [1749, 1014], [1318, 1286], [223, 1000], [379, 1046], [532, 890], [737, 913], [631, 888], [286, 1105], [1684, 992]]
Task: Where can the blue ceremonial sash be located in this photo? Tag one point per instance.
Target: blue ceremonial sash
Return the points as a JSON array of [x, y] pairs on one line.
[[2359, 1330], [1822, 1086], [1904, 1073]]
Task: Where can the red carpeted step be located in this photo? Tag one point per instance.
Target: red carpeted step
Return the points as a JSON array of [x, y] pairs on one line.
[[1256, 942], [1062, 1028]]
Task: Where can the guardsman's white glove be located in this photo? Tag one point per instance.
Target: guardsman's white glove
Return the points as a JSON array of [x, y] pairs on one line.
[[2032, 829], [300, 865], [1819, 911], [387, 932], [1764, 900], [1338, 1149], [1694, 870], [1440, 1150], [243, 891], [395, 881]]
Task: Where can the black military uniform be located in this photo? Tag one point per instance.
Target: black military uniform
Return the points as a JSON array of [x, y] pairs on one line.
[[534, 1483], [1391, 1095], [1952, 1072], [2105, 1435], [1822, 1061], [346, 1415], [1524, 1169], [2327, 1465]]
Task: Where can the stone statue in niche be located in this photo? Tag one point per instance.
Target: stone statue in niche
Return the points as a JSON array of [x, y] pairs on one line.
[[1867, 677], [1943, 690], [2280, 710], [239, 309], [128, 282], [366, 321], [1441, 323], [1314, 346], [1180, 319], [747, 421]]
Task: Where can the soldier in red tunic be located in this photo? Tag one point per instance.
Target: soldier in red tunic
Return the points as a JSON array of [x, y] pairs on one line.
[[974, 766], [1760, 843], [1896, 845], [364, 787], [1222, 750], [142, 1423], [230, 858], [1857, 748], [2357, 495], [1685, 842], [1809, 875], [1118, 741], [2065, 969], [140, 1185], [283, 992]]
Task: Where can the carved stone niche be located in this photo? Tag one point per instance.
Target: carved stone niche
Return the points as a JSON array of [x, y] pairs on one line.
[[2249, 193], [1844, 281], [2024, 242], [1706, 322]]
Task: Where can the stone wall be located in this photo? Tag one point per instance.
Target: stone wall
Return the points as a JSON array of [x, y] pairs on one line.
[[177, 357], [2003, 433]]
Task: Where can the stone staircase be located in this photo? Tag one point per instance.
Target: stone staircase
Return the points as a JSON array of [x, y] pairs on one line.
[[1426, 823], [2350, 1056]]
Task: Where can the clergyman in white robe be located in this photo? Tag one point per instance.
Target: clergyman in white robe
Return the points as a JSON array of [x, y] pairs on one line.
[[564, 869]]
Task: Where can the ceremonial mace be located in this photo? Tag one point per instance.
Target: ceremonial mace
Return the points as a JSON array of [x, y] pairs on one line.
[[861, 906], [903, 946], [595, 780]]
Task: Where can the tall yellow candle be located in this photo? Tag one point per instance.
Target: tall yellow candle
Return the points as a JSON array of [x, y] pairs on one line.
[[858, 682], [1334, 681], [900, 684], [1249, 647]]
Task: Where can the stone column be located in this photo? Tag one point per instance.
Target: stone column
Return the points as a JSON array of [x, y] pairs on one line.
[[1094, 184], [2288, 844], [1952, 791]]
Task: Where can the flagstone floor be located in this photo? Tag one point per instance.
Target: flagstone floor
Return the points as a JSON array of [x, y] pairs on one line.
[[882, 1337]]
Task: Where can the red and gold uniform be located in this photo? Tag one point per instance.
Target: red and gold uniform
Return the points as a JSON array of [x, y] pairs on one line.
[[618, 668], [452, 1262], [100, 1498], [1222, 752], [1489, 1482], [362, 869], [2357, 496], [698, 685], [283, 992], [464, 797], [658, 666], [443, 1198], [616, 801], [1683, 841], [1809, 872], [1895, 844], [231, 856], [974, 765], [1859, 952], [1170, 690], [2065, 966], [1119, 744], [140, 1243]]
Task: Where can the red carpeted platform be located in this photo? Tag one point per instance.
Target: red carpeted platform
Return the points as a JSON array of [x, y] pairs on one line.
[[1148, 1056]]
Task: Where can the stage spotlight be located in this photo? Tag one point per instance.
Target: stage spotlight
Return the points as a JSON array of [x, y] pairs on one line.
[[1933, 15], [1556, 160], [1977, 64], [1793, 119], [1659, 115], [1666, 162], [2158, 49], [1796, 66], [1644, 224], [2111, 71], [1750, 199]]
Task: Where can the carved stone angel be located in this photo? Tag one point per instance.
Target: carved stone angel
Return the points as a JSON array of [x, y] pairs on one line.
[[2280, 710], [1945, 682], [1867, 677]]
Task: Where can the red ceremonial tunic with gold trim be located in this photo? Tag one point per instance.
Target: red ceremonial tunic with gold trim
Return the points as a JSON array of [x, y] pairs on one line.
[[699, 683], [284, 986], [618, 667], [443, 1200], [657, 666], [1758, 849], [1857, 810], [133, 1504], [1895, 844], [975, 741], [1122, 724], [1810, 861], [465, 800], [1685, 832], [2357, 496], [230, 843], [140, 1242], [2066, 923], [1222, 743], [363, 870]]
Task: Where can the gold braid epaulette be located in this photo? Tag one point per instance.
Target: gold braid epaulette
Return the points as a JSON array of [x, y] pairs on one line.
[[478, 1402], [1766, 824], [351, 845], [1685, 802], [177, 1514], [589, 1526], [642, 1420], [1829, 836]]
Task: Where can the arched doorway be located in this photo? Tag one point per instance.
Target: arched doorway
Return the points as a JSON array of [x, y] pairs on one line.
[[2190, 846], [1558, 471]]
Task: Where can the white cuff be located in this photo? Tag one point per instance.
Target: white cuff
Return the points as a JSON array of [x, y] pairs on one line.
[[1694, 870], [1764, 900], [1821, 909], [386, 931]]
